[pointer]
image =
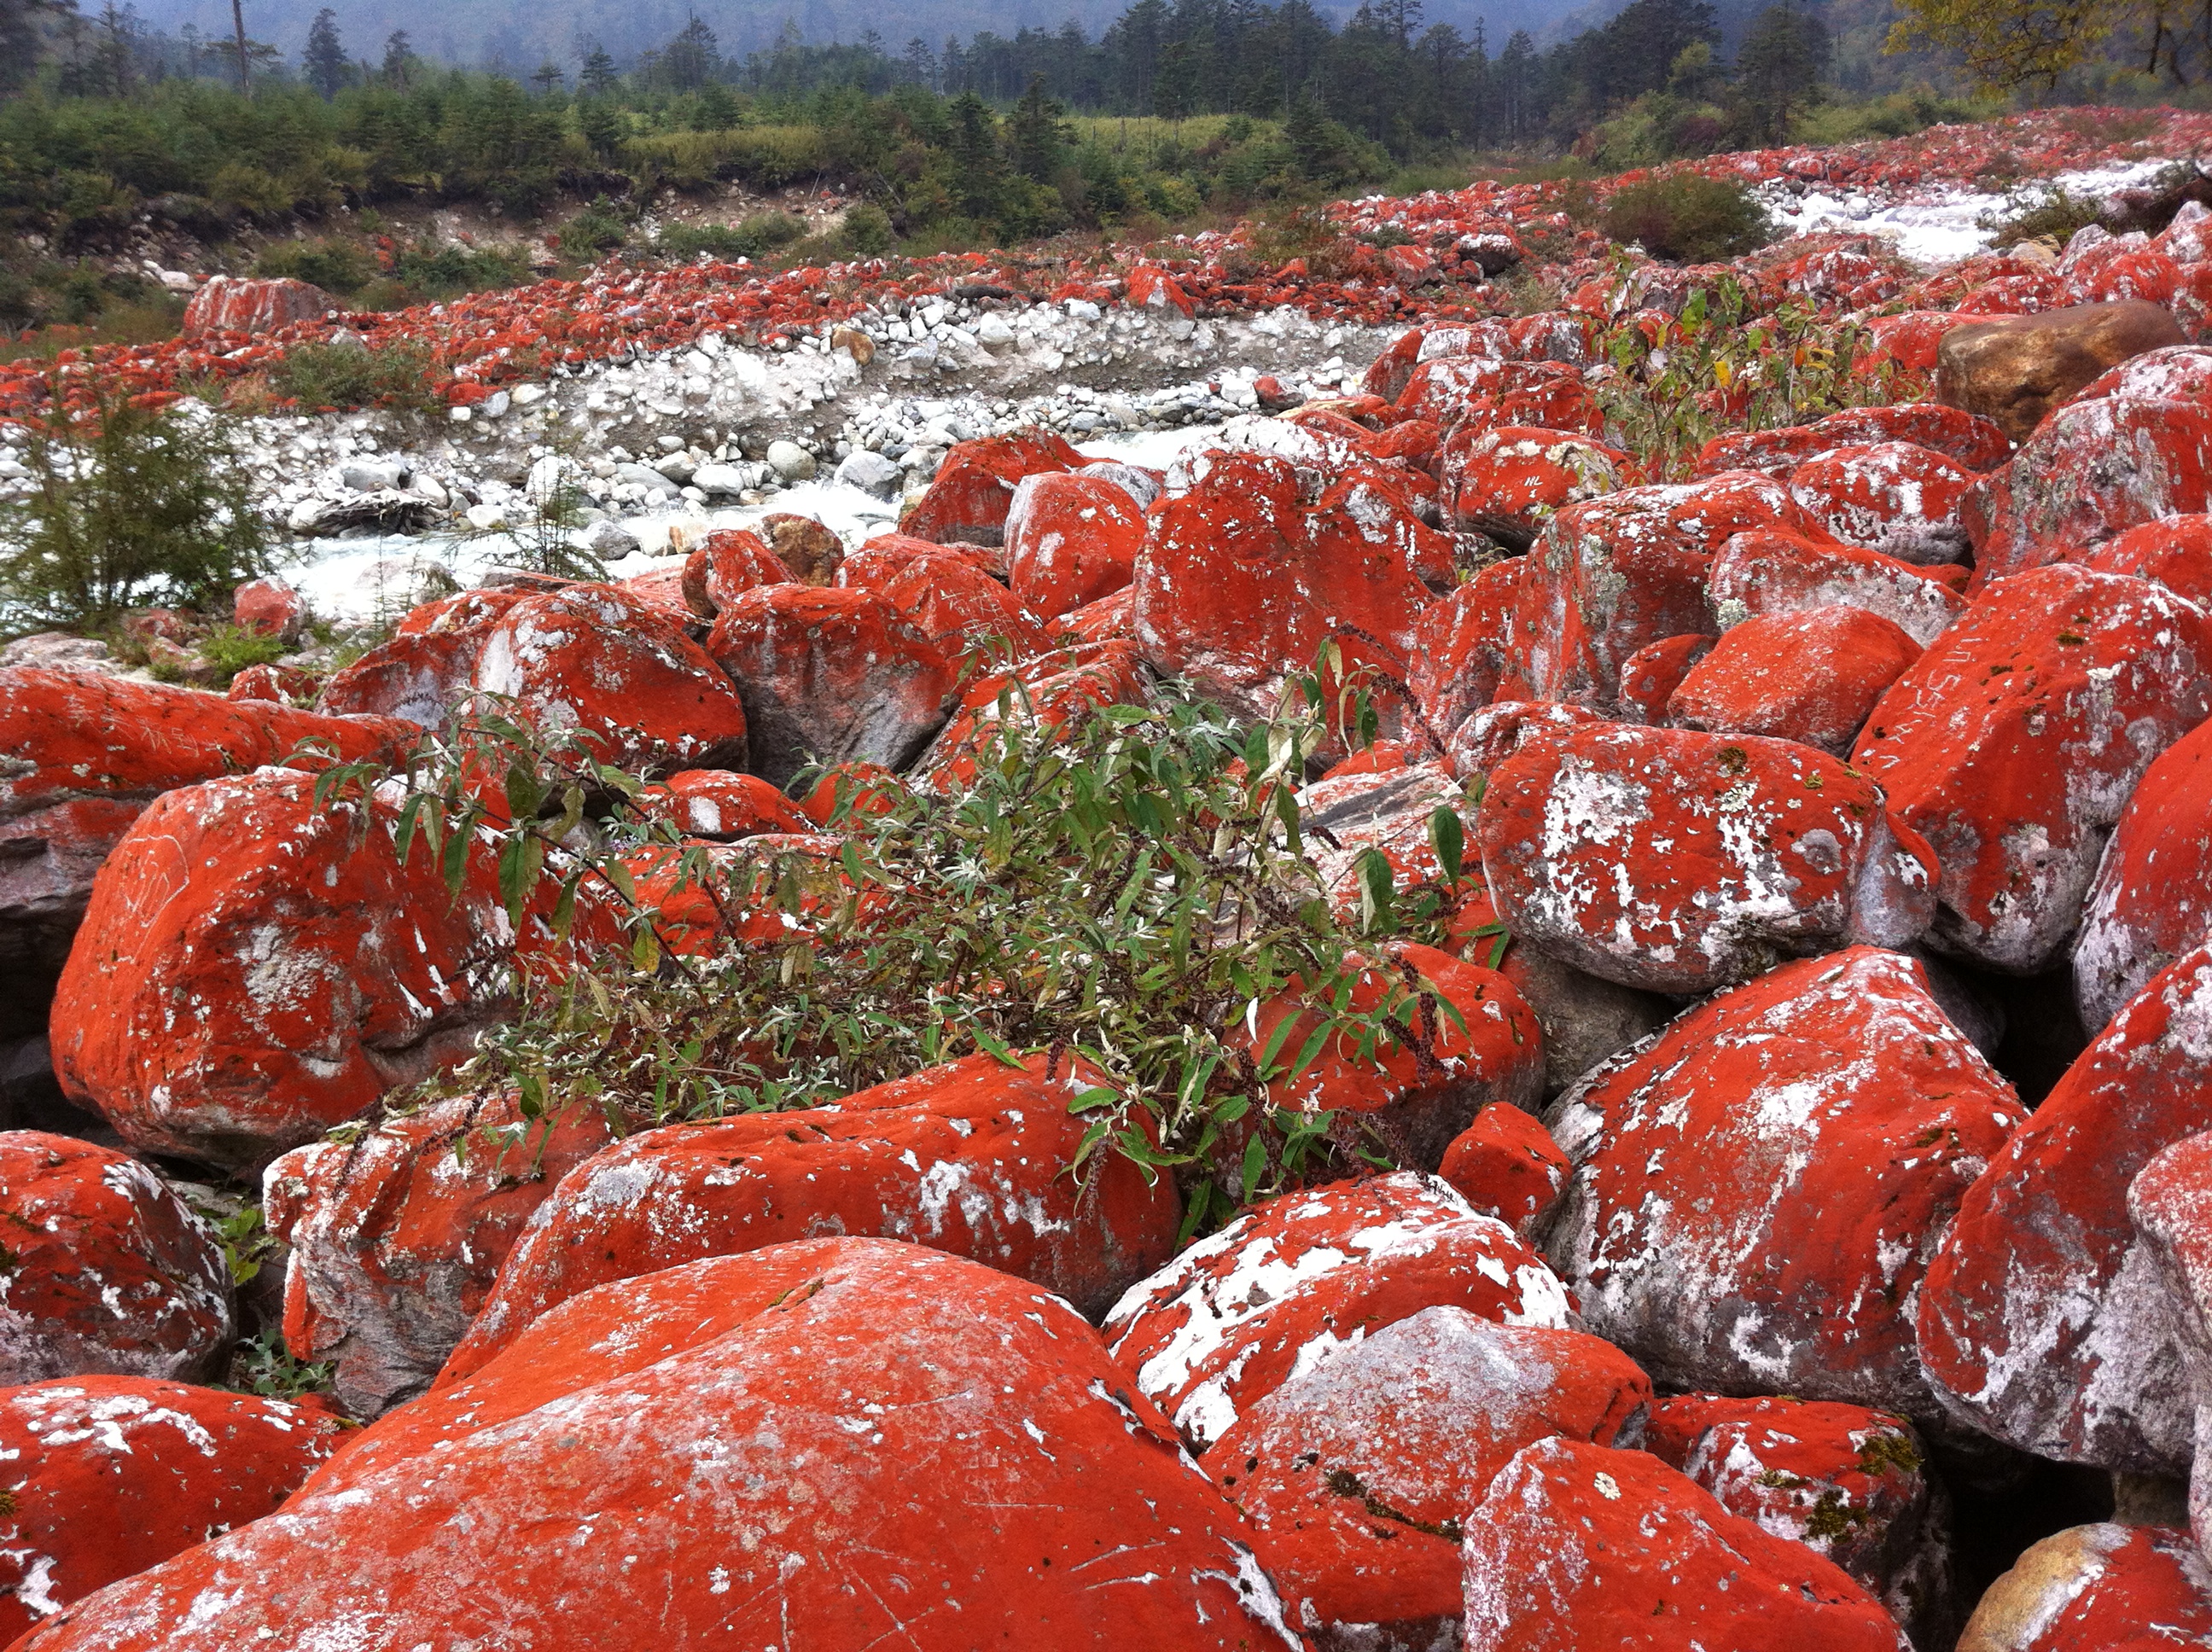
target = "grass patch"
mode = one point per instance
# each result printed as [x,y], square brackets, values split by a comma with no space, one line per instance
[1688,219]
[328,377]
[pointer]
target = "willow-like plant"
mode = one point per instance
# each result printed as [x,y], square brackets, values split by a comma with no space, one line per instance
[1122,893]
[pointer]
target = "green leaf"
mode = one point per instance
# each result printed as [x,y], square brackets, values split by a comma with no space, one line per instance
[1006,1056]
[645,950]
[1256,1165]
[1448,836]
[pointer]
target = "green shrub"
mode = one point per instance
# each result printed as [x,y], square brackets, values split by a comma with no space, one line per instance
[334,266]
[755,237]
[1687,218]
[250,190]
[1127,889]
[353,375]
[126,505]
[595,230]
[231,648]
[449,270]
[867,232]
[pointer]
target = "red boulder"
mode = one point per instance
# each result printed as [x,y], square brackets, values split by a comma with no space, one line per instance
[1852,1484]
[106,1270]
[1891,497]
[106,1476]
[1677,861]
[1360,1474]
[1071,540]
[968,499]
[2040,1321]
[1235,1316]
[2014,742]
[594,659]
[2152,899]
[2174,551]
[90,751]
[234,304]
[1757,1190]
[1775,573]
[825,1445]
[1578,1548]
[2098,1589]
[396,1236]
[831,676]
[966,1159]
[1809,676]
[1239,584]
[254,970]
[1506,1163]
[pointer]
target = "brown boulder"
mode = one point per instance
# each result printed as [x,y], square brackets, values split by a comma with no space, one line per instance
[2015,370]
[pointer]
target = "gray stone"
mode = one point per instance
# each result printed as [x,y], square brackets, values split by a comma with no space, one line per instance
[719,479]
[790,461]
[871,473]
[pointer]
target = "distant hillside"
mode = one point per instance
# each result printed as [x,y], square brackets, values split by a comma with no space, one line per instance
[521,36]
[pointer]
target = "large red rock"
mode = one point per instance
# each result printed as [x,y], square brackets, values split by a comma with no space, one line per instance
[2151,899]
[1463,648]
[1360,1475]
[717,803]
[427,665]
[2041,1320]
[1757,1190]
[827,1445]
[1776,572]
[831,676]
[1506,1164]
[395,1237]
[2098,1589]
[948,599]
[1071,539]
[237,304]
[1510,479]
[726,563]
[2170,1206]
[2093,470]
[1891,497]
[1240,584]
[1235,1316]
[104,1270]
[967,1157]
[968,499]
[1617,572]
[1810,677]
[2174,551]
[253,970]
[1041,700]
[87,753]
[592,660]
[1966,439]
[1578,1548]
[1854,1485]
[106,1476]
[1677,861]
[2013,744]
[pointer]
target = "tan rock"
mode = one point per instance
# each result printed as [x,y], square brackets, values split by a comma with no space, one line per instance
[812,552]
[2015,370]
[854,343]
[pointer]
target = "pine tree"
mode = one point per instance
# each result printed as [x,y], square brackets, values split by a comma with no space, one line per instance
[399,53]
[597,76]
[692,58]
[1778,70]
[324,61]
[919,63]
[1036,135]
[975,153]
[548,78]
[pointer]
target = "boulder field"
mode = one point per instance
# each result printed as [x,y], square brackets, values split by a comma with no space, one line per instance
[1793,1229]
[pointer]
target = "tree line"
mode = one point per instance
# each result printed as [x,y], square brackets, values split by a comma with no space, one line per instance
[1385,73]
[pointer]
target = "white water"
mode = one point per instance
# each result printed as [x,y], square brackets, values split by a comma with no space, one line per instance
[372,581]
[1934,226]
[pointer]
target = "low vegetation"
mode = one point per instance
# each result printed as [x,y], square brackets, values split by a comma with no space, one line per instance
[1121,891]
[125,505]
